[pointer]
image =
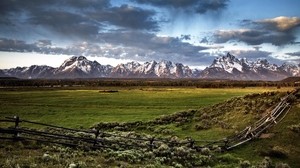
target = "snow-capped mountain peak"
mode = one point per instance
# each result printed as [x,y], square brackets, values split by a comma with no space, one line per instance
[228,63]
[78,63]
[224,67]
[80,66]
[153,69]
[230,67]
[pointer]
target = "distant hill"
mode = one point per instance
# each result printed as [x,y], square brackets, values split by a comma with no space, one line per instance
[292,79]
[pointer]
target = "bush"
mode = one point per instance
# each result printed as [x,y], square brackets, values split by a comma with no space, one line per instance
[205,151]
[295,128]
[282,165]
[266,163]
[245,164]
[228,158]
[276,151]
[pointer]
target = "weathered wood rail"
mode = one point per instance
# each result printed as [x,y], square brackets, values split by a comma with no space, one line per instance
[254,131]
[96,139]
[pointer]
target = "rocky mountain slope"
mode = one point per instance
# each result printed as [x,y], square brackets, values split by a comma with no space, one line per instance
[226,67]
[230,67]
[153,69]
[80,67]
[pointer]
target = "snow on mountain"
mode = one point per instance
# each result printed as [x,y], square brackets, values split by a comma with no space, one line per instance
[230,67]
[228,63]
[263,64]
[80,67]
[33,71]
[153,69]
[225,67]
[293,70]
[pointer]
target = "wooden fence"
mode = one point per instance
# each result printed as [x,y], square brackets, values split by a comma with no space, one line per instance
[96,139]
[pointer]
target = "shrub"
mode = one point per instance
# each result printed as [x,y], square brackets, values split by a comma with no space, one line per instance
[282,165]
[46,157]
[276,151]
[228,158]
[245,164]
[266,163]
[295,128]
[205,151]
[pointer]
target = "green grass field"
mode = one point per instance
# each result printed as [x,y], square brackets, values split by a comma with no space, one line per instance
[83,108]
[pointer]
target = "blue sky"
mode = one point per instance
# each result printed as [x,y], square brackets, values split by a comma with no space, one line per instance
[192,32]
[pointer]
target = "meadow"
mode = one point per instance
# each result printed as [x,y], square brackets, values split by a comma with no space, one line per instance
[79,108]
[165,112]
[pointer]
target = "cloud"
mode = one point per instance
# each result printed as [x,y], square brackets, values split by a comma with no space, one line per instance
[253,55]
[204,40]
[253,37]
[257,48]
[72,18]
[297,54]
[128,44]
[278,31]
[212,5]
[40,46]
[280,23]
[198,6]
[66,23]
[185,37]
[14,45]
[128,17]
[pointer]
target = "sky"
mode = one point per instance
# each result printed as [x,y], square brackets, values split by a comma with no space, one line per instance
[192,32]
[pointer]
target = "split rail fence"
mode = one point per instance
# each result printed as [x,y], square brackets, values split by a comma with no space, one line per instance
[96,139]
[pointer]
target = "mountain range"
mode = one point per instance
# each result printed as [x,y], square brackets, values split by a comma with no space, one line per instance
[225,67]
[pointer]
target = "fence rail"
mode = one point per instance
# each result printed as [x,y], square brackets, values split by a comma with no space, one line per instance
[96,139]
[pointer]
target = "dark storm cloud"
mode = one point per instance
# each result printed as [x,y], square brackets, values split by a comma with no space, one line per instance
[9,6]
[148,41]
[40,46]
[204,40]
[128,17]
[66,23]
[93,28]
[297,54]
[213,5]
[96,4]
[198,6]
[143,46]
[14,45]
[253,37]
[277,31]
[76,18]
[185,37]
[257,48]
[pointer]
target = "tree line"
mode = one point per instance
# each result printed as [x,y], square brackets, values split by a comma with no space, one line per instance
[111,82]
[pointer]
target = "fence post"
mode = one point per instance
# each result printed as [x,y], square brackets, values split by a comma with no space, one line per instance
[151,143]
[17,121]
[226,143]
[97,132]
[192,143]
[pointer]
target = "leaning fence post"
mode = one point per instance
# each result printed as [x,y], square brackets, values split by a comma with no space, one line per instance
[17,121]
[151,145]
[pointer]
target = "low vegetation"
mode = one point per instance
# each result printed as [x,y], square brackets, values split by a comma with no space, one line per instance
[214,114]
